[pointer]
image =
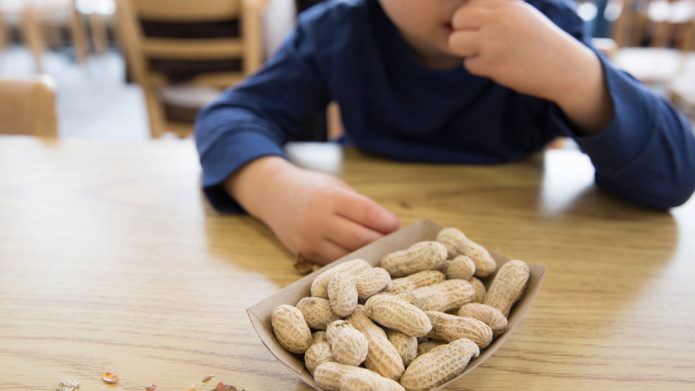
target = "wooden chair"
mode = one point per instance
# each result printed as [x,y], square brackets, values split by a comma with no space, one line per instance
[28,106]
[40,20]
[100,15]
[655,39]
[4,32]
[143,52]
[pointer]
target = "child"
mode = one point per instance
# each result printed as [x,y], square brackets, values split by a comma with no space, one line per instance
[395,69]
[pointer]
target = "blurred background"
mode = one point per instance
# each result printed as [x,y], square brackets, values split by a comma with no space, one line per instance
[140,69]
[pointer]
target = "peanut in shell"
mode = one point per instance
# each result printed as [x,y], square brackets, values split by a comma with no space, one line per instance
[457,243]
[507,286]
[435,368]
[290,328]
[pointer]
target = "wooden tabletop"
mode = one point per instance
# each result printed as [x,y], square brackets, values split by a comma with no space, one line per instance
[112,260]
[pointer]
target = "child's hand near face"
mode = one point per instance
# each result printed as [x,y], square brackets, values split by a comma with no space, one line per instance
[514,44]
[313,214]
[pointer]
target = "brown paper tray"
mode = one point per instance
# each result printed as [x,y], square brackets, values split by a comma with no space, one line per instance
[426,229]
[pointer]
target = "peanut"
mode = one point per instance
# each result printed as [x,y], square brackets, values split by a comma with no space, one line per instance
[507,286]
[461,267]
[418,301]
[382,356]
[435,368]
[418,257]
[431,345]
[395,313]
[317,312]
[451,327]
[405,345]
[479,288]
[447,295]
[457,243]
[320,284]
[416,280]
[333,376]
[349,346]
[491,316]
[290,328]
[319,352]
[372,281]
[342,294]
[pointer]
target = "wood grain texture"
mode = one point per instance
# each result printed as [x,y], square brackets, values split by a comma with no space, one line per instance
[112,260]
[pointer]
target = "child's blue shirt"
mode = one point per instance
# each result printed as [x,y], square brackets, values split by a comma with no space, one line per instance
[350,52]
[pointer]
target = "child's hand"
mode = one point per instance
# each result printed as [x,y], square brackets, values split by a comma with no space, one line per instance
[315,214]
[514,44]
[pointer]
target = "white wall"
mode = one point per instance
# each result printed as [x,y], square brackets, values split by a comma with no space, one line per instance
[278,19]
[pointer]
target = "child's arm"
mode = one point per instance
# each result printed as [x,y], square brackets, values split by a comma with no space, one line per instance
[313,214]
[240,140]
[643,149]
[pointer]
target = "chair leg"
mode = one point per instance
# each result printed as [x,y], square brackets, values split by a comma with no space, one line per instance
[155,113]
[31,31]
[99,33]
[52,35]
[4,34]
[79,36]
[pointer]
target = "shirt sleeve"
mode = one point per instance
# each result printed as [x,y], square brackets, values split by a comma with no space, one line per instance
[259,116]
[646,155]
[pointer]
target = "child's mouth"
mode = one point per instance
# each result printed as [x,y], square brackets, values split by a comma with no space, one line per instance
[448,28]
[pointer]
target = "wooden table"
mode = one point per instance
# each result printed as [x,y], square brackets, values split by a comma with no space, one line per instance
[112,260]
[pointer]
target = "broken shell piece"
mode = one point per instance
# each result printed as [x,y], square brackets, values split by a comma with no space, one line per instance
[109,377]
[69,384]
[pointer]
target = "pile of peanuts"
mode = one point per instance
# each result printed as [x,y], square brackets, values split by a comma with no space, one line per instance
[412,323]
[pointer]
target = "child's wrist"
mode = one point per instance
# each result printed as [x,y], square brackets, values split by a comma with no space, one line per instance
[582,94]
[252,183]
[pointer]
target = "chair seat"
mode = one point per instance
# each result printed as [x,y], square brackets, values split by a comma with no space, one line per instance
[28,106]
[188,96]
[183,103]
[654,65]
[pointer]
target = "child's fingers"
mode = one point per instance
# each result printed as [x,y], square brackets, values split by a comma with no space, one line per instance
[465,43]
[366,212]
[474,65]
[349,234]
[471,16]
[326,252]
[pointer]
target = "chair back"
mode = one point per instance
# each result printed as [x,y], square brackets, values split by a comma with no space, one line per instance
[656,23]
[187,54]
[27,106]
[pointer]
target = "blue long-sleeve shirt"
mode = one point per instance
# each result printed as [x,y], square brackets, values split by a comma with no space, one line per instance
[350,52]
